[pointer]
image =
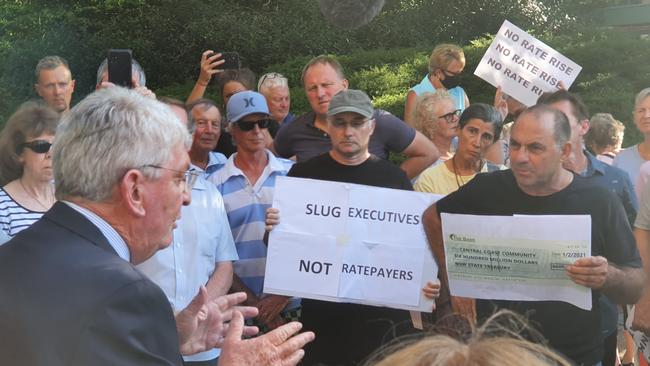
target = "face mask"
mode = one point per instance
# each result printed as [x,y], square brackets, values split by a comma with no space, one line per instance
[450,82]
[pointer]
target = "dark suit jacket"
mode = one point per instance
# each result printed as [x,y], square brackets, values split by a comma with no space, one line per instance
[66,298]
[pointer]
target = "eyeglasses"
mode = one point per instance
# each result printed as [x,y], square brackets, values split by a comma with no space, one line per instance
[270,76]
[189,176]
[451,116]
[37,146]
[249,125]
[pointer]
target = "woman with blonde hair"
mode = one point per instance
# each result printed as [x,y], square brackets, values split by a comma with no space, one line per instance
[436,117]
[446,63]
[493,344]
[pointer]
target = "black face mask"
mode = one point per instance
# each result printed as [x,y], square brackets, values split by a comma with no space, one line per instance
[451,82]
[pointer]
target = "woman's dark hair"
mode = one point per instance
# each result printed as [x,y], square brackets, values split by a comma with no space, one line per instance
[244,76]
[32,119]
[485,113]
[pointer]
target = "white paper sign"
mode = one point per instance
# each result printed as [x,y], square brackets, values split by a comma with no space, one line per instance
[346,242]
[524,66]
[516,257]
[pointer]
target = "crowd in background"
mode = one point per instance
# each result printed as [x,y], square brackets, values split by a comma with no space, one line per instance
[237,149]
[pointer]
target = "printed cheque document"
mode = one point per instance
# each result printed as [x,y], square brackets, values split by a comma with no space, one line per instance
[516,257]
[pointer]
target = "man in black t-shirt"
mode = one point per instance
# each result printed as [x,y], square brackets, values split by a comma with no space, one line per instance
[347,333]
[307,136]
[539,185]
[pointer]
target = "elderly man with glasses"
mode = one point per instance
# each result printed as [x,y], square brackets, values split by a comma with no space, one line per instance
[69,292]
[202,250]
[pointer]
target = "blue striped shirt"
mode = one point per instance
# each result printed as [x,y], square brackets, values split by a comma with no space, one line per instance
[246,206]
[216,161]
[14,218]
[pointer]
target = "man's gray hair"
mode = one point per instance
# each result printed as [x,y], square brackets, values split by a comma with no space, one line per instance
[50,63]
[203,104]
[135,68]
[272,80]
[109,132]
[641,97]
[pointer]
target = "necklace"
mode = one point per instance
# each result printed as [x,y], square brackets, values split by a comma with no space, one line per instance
[31,195]
[459,178]
[456,176]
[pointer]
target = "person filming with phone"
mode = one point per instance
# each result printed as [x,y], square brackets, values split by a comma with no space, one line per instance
[114,70]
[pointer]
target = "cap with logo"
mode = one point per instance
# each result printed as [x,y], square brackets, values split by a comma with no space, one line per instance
[245,103]
[351,101]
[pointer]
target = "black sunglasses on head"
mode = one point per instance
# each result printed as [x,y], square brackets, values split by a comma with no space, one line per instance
[249,125]
[37,146]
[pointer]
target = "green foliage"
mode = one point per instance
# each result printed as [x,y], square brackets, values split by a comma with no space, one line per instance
[167,37]
[614,70]
[384,58]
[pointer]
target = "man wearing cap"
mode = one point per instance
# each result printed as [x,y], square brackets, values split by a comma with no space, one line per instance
[246,183]
[307,135]
[347,333]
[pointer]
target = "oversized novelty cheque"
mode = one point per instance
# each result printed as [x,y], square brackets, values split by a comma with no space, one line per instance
[519,257]
[524,66]
[345,242]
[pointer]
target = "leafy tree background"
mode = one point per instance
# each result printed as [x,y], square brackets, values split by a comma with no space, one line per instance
[384,58]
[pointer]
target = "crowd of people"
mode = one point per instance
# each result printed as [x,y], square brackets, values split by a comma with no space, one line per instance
[134,227]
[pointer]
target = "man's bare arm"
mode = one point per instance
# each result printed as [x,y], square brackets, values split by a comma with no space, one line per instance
[421,153]
[623,285]
[221,279]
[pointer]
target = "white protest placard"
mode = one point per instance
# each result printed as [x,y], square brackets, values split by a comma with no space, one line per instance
[519,258]
[524,66]
[345,242]
[641,340]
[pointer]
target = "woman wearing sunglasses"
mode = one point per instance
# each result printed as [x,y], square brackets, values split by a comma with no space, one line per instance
[26,168]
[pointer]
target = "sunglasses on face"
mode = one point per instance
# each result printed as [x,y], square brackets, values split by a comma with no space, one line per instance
[249,125]
[37,146]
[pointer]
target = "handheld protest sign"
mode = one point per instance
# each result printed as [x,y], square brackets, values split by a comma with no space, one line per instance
[345,242]
[523,66]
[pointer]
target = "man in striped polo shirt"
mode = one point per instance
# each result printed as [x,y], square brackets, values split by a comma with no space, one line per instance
[246,183]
